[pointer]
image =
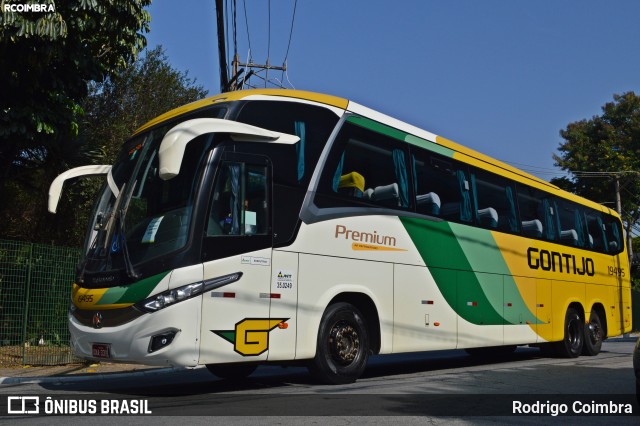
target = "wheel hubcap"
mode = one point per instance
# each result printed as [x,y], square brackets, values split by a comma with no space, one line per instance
[344,343]
[595,334]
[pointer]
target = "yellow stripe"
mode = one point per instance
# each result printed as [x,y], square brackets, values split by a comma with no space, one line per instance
[241,94]
[88,298]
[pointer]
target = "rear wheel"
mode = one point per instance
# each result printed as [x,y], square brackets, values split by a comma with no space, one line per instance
[343,345]
[232,371]
[571,345]
[593,335]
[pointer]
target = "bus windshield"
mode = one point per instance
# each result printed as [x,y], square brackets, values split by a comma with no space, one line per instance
[145,217]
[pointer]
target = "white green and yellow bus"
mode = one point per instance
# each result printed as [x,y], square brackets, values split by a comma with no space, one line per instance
[282,226]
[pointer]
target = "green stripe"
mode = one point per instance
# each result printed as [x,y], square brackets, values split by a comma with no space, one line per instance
[132,293]
[469,269]
[400,135]
[431,146]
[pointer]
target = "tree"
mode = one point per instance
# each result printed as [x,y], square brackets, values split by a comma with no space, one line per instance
[49,56]
[602,149]
[114,109]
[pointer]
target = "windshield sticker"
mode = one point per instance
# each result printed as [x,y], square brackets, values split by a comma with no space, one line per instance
[250,222]
[150,234]
[250,260]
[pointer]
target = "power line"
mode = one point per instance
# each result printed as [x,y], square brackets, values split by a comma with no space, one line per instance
[293,19]
[246,23]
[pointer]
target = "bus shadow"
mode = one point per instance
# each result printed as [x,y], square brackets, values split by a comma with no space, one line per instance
[294,379]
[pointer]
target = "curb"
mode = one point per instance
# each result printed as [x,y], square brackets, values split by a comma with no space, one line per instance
[86,377]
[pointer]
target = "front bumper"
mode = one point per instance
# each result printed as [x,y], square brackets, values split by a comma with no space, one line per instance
[130,342]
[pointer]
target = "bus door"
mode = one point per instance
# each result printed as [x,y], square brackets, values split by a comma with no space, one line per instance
[237,257]
[284,305]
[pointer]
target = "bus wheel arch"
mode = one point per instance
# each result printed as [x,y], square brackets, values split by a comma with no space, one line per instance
[367,307]
[573,340]
[595,330]
[342,344]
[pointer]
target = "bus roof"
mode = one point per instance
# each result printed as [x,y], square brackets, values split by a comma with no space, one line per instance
[463,153]
[241,94]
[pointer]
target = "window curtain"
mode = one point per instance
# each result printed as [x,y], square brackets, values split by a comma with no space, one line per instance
[234,201]
[603,234]
[401,175]
[475,198]
[338,174]
[300,131]
[579,228]
[465,203]
[549,225]
[513,217]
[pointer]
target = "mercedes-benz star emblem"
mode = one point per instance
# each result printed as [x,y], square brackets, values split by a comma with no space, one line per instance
[97,320]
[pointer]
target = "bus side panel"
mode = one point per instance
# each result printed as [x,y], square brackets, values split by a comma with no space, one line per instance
[544,310]
[322,278]
[481,306]
[517,328]
[597,293]
[564,293]
[284,286]
[623,306]
[235,318]
[422,318]
[626,306]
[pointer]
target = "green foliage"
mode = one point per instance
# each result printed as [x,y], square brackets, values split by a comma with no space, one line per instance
[48,59]
[606,143]
[116,107]
[113,110]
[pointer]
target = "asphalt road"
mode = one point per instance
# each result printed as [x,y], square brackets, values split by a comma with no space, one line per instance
[437,387]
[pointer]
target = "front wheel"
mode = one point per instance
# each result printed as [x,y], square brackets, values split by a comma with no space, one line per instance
[593,335]
[571,345]
[343,345]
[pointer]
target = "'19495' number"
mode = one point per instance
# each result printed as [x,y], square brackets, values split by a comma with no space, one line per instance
[616,271]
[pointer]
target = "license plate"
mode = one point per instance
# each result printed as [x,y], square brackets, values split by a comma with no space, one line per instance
[101,350]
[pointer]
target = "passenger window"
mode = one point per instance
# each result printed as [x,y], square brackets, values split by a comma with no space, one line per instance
[571,224]
[312,124]
[239,205]
[494,202]
[613,235]
[367,167]
[537,213]
[595,231]
[442,187]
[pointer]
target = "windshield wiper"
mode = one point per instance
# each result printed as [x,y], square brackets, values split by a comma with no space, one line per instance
[120,233]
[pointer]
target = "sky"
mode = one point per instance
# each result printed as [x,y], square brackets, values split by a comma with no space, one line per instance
[500,76]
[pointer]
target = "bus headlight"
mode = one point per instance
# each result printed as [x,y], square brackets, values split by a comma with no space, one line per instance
[173,296]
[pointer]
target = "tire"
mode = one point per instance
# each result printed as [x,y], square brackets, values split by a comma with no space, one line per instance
[593,335]
[237,371]
[571,345]
[343,345]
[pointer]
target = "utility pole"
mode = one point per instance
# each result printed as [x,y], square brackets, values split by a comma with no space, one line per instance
[237,68]
[222,50]
[619,208]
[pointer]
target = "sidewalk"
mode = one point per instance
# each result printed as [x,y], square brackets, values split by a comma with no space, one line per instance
[71,370]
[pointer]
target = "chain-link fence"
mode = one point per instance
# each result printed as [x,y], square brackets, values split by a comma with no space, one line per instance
[35,289]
